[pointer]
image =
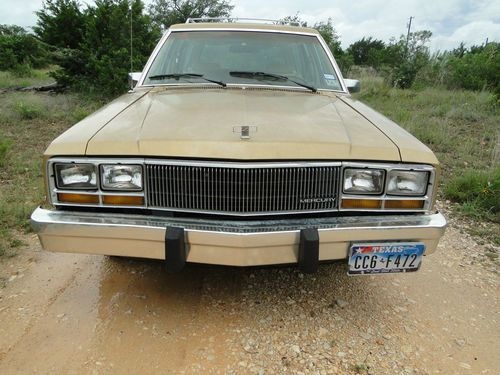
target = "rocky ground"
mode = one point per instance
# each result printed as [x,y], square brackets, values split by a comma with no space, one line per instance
[80,314]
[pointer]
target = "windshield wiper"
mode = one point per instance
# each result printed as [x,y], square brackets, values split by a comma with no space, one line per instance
[177,76]
[270,76]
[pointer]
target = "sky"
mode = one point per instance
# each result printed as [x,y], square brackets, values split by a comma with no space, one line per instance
[451,21]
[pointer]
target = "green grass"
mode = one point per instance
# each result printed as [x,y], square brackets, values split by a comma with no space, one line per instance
[462,128]
[28,123]
[10,80]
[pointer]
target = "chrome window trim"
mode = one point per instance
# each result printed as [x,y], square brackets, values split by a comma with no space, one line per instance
[329,53]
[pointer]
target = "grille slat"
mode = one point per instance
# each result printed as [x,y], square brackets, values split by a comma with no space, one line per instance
[242,190]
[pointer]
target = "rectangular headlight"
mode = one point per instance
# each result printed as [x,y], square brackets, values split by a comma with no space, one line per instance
[407,182]
[78,176]
[363,181]
[121,177]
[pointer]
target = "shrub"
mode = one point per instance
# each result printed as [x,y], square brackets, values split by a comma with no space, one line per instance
[477,69]
[28,111]
[478,192]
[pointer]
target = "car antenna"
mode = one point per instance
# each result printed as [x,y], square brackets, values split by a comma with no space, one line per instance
[131,40]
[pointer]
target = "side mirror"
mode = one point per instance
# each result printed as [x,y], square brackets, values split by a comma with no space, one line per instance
[133,78]
[353,85]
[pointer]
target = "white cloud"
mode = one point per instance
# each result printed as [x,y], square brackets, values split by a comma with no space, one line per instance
[451,21]
[473,33]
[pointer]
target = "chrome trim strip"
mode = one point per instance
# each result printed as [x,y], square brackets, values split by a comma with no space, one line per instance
[240,164]
[42,220]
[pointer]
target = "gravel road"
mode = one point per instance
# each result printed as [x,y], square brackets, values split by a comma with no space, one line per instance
[80,314]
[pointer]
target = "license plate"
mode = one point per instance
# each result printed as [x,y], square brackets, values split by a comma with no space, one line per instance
[378,258]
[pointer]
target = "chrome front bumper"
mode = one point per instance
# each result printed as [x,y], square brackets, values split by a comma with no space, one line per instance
[235,243]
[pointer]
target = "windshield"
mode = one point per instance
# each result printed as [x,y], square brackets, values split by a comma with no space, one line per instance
[217,55]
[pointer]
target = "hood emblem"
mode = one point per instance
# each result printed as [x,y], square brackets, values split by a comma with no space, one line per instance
[244,131]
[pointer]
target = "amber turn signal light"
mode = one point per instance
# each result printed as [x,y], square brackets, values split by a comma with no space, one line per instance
[77,198]
[126,200]
[361,203]
[404,204]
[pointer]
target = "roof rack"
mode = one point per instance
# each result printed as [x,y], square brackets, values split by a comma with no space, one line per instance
[237,19]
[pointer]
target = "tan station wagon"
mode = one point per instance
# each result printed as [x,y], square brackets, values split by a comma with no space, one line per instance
[241,145]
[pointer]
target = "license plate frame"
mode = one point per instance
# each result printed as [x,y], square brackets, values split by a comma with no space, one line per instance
[370,258]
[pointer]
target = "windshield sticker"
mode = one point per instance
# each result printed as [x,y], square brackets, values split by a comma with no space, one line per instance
[330,79]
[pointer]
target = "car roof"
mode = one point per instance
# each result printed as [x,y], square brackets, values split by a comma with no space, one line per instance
[243,26]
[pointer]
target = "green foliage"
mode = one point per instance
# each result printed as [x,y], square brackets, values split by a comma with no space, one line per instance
[408,57]
[61,23]
[368,51]
[476,70]
[20,50]
[478,192]
[169,12]
[28,111]
[98,59]
[30,77]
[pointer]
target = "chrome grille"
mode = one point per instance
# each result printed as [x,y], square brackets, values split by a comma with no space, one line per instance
[243,188]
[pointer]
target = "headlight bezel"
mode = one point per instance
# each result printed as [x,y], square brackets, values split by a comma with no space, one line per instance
[54,190]
[62,186]
[427,197]
[102,174]
[401,193]
[381,189]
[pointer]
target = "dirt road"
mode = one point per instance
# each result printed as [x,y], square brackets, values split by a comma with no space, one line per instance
[79,314]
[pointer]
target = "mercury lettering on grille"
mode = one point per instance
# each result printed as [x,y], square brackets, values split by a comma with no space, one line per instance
[242,191]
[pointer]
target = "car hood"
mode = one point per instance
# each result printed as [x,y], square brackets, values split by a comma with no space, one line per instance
[206,123]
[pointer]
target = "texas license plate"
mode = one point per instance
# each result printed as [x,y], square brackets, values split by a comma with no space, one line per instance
[378,258]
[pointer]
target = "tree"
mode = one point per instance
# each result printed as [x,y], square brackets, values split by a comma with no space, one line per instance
[100,57]
[477,69]
[294,20]
[330,36]
[407,59]
[367,51]
[20,51]
[60,23]
[169,12]
[107,42]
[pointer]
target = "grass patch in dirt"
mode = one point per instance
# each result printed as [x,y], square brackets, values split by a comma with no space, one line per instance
[10,80]
[28,123]
[461,127]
